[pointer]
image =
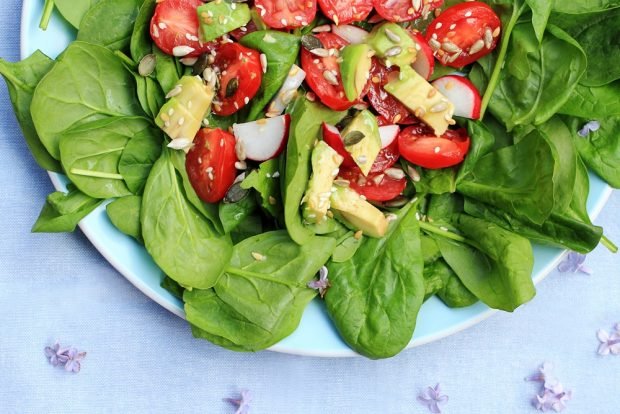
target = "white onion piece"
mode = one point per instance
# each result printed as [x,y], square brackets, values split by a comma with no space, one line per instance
[352,34]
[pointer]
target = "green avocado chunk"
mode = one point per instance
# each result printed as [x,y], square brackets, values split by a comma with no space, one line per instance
[393,44]
[358,212]
[355,69]
[362,140]
[325,162]
[220,17]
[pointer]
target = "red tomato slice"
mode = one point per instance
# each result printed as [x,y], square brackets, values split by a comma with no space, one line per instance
[331,95]
[419,145]
[210,164]
[346,11]
[281,14]
[376,186]
[404,10]
[384,103]
[239,65]
[464,33]
[175,28]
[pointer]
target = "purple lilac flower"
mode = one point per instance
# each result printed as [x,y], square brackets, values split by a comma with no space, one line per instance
[610,343]
[73,363]
[242,403]
[552,395]
[322,284]
[591,126]
[68,357]
[574,263]
[432,398]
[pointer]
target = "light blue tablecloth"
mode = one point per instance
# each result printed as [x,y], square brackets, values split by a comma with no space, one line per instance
[143,359]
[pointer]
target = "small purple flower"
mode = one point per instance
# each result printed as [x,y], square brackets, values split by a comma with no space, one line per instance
[550,400]
[544,376]
[574,263]
[610,343]
[55,354]
[74,358]
[591,126]
[242,403]
[431,398]
[322,284]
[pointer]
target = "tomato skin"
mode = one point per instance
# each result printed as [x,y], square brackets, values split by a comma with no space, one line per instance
[332,96]
[281,14]
[172,21]
[384,103]
[402,10]
[346,11]
[473,27]
[236,61]
[376,186]
[210,164]
[419,145]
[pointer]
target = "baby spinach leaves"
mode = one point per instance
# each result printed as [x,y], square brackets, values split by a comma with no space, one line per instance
[63,211]
[266,181]
[109,23]
[124,213]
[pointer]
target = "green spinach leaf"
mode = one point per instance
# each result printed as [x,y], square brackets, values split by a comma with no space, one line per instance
[584,6]
[141,43]
[109,23]
[124,213]
[452,292]
[232,214]
[74,10]
[166,70]
[138,157]
[63,211]
[266,181]
[593,102]
[600,150]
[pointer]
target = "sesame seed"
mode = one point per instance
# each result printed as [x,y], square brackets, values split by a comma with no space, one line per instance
[259,257]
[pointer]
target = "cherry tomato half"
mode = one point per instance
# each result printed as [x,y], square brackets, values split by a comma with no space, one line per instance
[464,33]
[378,186]
[384,103]
[346,11]
[331,93]
[404,10]
[419,145]
[241,74]
[280,14]
[210,164]
[174,28]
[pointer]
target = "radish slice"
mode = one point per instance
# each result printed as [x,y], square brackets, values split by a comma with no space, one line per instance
[388,134]
[425,62]
[352,34]
[288,91]
[462,93]
[263,139]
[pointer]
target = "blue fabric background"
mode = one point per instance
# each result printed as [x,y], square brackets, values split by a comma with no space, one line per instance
[143,359]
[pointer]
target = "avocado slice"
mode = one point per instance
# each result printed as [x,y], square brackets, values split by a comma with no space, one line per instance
[358,212]
[362,140]
[325,163]
[422,99]
[355,69]
[182,115]
[220,17]
[393,44]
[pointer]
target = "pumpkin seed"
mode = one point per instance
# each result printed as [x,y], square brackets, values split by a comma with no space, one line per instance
[310,42]
[232,87]
[147,65]
[353,137]
[200,65]
[235,194]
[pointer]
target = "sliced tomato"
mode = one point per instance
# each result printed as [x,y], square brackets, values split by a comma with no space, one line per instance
[385,159]
[384,103]
[464,33]
[281,14]
[239,33]
[331,95]
[241,74]
[404,10]
[346,11]
[377,186]
[419,145]
[210,164]
[175,28]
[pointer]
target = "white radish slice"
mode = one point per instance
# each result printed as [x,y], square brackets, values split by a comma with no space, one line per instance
[263,139]
[388,134]
[462,93]
[352,34]
[425,61]
[288,91]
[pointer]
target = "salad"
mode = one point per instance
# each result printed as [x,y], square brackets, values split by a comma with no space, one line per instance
[373,153]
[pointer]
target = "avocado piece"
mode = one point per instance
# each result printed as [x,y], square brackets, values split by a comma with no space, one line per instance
[362,140]
[355,69]
[393,44]
[422,99]
[220,17]
[189,102]
[358,212]
[325,164]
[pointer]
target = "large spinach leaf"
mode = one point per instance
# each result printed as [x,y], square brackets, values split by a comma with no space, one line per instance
[138,157]
[109,23]
[63,211]
[150,95]
[87,83]
[141,43]
[376,295]
[452,292]
[498,269]
[165,70]
[180,240]
[21,79]
[281,53]
[124,213]
[594,102]
[584,6]
[232,214]
[74,10]
[307,118]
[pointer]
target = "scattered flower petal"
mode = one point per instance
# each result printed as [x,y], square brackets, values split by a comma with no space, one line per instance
[610,343]
[69,357]
[574,263]
[322,284]
[432,398]
[591,126]
[242,403]
[552,395]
